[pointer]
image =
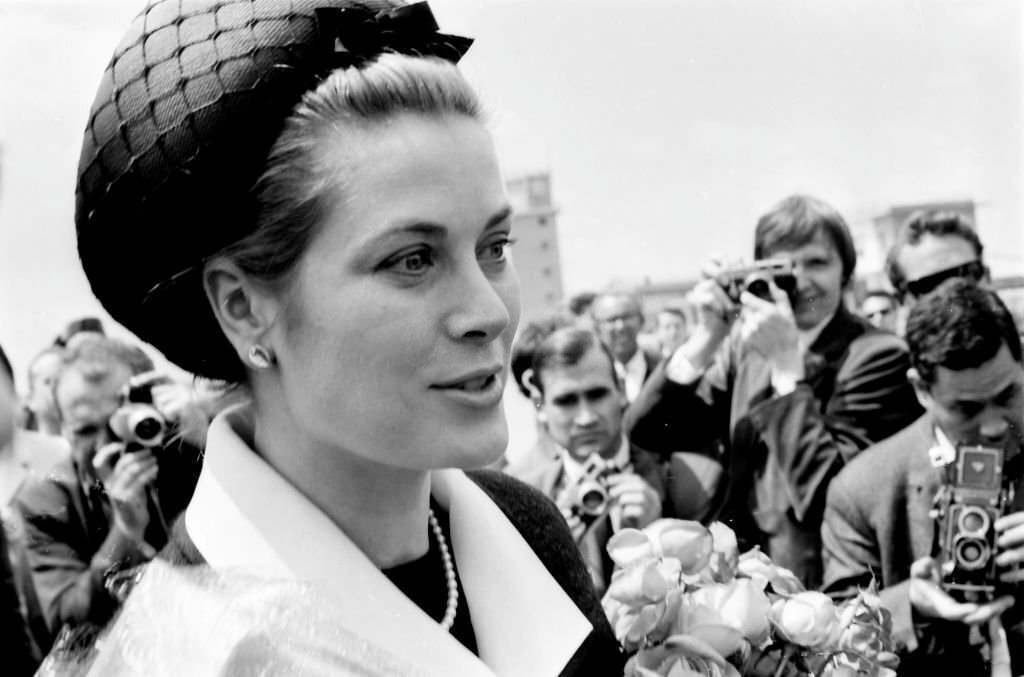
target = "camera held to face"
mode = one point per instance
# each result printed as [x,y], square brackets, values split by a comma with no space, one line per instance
[137,422]
[755,277]
[974,495]
[589,496]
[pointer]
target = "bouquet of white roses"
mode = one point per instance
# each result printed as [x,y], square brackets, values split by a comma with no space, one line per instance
[685,603]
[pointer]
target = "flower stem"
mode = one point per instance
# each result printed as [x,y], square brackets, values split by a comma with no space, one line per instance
[787,653]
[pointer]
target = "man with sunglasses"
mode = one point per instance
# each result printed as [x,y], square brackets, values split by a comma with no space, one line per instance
[930,248]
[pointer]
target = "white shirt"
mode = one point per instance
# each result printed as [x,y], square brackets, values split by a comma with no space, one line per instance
[633,373]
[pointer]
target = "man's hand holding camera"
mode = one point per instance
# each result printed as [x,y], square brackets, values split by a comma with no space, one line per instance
[768,328]
[634,502]
[716,313]
[625,497]
[930,601]
[127,478]
[767,325]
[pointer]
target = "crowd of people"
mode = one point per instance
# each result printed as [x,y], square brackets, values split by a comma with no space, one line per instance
[337,231]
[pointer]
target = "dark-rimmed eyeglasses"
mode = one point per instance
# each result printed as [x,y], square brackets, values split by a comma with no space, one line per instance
[973,270]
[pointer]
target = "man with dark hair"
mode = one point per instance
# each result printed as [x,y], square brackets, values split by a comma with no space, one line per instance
[930,247]
[108,506]
[670,329]
[880,308]
[580,403]
[618,319]
[783,397]
[879,521]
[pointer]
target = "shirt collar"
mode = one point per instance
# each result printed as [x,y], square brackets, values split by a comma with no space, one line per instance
[523,621]
[807,337]
[574,469]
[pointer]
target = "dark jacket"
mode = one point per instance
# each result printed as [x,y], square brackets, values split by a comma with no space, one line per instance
[877,523]
[67,519]
[779,453]
[544,470]
[18,653]
[542,526]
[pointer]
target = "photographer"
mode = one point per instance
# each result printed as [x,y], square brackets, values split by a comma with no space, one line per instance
[107,507]
[580,402]
[781,391]
[879,520]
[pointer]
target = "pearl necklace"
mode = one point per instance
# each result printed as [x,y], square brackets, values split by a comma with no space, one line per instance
[449,574]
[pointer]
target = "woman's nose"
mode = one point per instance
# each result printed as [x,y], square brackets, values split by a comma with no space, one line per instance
[482,312]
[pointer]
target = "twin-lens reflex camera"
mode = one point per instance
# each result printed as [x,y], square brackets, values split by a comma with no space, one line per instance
[974,494]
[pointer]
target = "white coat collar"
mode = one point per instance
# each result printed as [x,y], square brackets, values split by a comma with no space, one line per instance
[244,515]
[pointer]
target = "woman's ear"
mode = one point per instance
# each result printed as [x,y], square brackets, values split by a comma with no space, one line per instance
[245,310]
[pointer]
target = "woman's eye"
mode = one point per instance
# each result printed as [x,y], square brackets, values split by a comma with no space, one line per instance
[411,263]
[497,250]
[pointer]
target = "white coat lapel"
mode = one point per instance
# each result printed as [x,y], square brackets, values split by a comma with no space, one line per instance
[524,622]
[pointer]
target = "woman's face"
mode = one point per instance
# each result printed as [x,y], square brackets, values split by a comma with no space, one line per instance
[398,323]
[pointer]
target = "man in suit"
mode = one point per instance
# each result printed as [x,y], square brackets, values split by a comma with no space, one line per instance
[580,402]
[618,320]
[879,524]
[931,247]
[780,392]
[101,510]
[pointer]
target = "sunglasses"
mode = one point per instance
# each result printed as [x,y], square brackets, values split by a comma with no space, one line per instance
[973,270]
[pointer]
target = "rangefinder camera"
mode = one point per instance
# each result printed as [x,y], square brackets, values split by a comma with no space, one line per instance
[137,422]
[589,496]
[755,277]
[974,495]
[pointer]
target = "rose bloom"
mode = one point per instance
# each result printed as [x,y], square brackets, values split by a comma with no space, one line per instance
[689,542]
[758,566]
[740,604]
[806,618]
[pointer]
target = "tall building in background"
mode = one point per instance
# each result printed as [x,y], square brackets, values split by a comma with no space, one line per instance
[536,252]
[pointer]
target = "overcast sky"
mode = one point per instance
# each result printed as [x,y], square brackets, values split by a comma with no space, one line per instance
[668,125]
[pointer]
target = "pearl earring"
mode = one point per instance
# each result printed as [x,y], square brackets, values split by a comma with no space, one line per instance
[260,357]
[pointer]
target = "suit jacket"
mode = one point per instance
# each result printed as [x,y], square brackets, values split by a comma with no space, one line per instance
[876,524]
[67,516]
[780,452]
[543,469]
[19,655]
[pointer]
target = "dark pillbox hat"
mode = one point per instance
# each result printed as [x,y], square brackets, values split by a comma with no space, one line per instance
[185,116]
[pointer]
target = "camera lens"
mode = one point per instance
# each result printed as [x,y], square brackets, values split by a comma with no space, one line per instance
[974,520]
[148,428]
[971,553]
[759,287]
[592,499]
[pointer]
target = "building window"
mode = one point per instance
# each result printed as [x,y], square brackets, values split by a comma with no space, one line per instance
[542,221]
[544,244]
[546,271]
[539,190]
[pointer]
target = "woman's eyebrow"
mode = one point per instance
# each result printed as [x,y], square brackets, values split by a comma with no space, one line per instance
[499,217]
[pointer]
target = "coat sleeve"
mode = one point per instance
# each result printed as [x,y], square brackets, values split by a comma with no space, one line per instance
[852,559]
[811,440]
[68,576]
[667,416]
